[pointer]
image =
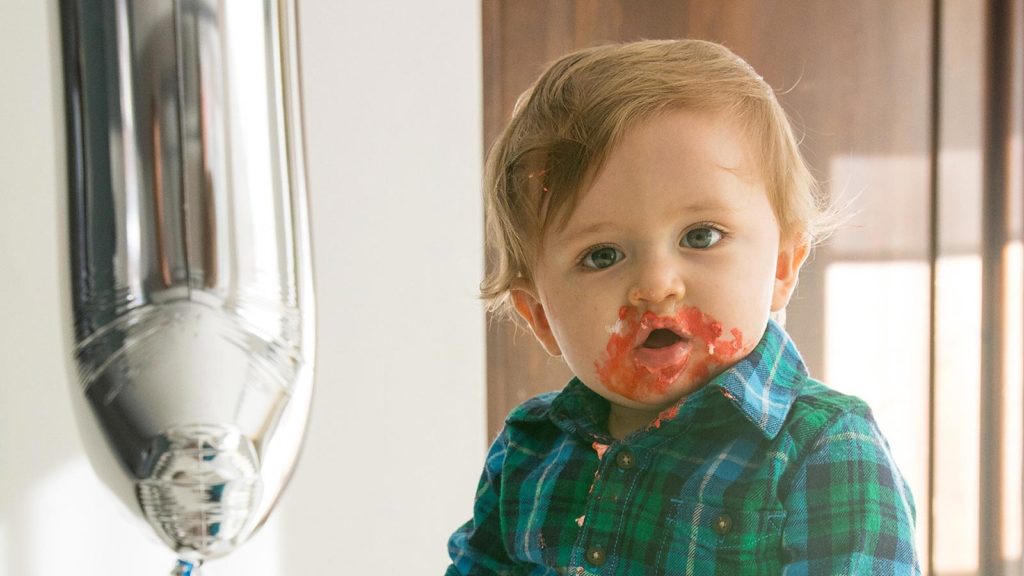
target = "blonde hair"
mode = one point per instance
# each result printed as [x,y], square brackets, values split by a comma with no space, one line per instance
[567,123]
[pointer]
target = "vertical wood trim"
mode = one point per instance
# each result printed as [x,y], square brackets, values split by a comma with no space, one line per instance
[496,385]
[995,159]
[935,143]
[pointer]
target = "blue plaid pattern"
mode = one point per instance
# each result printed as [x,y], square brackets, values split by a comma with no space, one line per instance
[762,471]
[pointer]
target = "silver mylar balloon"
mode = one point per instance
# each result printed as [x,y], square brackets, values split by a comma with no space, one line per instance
[191,286]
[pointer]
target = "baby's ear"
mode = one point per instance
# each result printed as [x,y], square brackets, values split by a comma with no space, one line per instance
[529,307]
[792,254]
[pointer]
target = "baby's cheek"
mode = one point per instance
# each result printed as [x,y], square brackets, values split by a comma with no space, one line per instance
[721,354]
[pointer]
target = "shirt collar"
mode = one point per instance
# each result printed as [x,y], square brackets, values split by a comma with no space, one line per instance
[765,383]
[762,387]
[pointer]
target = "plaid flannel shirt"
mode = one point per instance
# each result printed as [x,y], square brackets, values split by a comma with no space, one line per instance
[762,471]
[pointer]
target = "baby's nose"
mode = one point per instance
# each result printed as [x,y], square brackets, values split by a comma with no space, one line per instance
[657,284]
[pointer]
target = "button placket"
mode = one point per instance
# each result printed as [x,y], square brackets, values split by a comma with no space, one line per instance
[605,497]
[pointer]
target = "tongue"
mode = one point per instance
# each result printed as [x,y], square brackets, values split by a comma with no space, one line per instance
[661,338]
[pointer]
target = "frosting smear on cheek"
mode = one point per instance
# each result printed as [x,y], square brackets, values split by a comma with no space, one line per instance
[639,372]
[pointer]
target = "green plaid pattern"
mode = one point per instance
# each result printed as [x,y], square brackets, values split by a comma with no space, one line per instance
[763,471]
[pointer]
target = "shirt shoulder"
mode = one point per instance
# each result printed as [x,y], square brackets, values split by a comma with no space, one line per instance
[574,410]
[548,422]
[819,413]
[536,409]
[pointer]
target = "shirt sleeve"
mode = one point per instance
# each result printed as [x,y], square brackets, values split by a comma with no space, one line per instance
[477,547]
[849,511]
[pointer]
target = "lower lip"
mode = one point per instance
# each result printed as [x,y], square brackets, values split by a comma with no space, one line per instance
[674,356]
[643,373]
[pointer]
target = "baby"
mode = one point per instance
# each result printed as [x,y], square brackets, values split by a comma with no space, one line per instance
[649,212]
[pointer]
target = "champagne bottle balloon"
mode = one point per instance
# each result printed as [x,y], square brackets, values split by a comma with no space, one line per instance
[191,325]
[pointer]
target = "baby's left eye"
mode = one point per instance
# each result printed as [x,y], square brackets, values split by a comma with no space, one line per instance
[701,238]
[602,257]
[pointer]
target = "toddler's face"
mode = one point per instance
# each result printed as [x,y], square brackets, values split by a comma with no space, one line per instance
[666,272]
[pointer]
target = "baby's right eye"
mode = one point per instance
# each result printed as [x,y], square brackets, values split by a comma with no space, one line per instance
[603,257]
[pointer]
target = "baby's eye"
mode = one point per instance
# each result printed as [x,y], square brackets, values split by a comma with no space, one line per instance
[602,257]
[701,238]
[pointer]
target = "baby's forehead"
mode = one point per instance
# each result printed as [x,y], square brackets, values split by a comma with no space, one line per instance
[694,138]
[682,145]
[687,144]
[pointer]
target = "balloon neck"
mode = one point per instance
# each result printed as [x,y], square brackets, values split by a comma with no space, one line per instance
[186,568]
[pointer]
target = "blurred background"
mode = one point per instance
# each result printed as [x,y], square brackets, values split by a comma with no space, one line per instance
[908,110]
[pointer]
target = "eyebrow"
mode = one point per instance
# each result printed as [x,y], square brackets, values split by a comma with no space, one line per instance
[603,225]
[592,229]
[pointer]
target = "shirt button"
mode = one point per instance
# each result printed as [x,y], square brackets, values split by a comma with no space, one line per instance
[596,555]
[723,524]
[625,460]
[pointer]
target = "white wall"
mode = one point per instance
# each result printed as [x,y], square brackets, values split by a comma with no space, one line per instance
[393,112]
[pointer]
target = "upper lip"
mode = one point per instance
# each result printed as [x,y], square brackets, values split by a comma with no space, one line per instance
[650,322]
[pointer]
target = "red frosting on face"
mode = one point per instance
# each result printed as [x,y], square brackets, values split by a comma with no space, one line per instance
[707,350]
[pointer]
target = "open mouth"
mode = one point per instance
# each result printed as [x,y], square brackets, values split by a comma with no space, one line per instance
[661,338]
[663,351]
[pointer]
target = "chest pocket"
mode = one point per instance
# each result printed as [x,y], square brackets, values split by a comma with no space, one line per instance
[714,538]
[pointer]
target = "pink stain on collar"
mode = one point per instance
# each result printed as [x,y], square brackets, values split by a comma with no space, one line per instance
[664,415]
[620,372]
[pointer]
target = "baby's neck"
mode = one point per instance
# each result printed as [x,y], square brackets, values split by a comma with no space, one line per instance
[623,421]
